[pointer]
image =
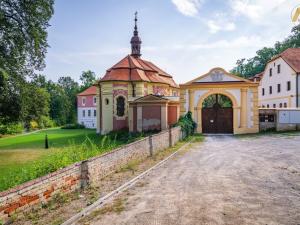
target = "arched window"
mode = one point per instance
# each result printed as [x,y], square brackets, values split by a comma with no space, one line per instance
[120,106]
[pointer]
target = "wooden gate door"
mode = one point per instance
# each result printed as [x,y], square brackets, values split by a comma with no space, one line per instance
[217,120]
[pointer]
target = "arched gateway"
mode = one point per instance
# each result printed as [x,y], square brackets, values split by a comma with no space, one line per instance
[217,114]
[221,103]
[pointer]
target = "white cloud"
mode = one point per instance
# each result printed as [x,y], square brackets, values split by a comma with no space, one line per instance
[216,26]
[257,10]
[188,7]
[241,42]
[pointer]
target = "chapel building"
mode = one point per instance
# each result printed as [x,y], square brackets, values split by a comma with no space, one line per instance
[137,95]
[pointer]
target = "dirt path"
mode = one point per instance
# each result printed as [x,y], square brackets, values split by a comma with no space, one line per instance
[225,180]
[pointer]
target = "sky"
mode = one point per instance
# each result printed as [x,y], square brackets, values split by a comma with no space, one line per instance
[186,38]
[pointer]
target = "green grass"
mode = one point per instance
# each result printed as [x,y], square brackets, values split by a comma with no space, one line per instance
[57,138]
[23,158]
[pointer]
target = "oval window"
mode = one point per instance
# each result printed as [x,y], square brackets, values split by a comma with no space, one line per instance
[120,106]
[106,101]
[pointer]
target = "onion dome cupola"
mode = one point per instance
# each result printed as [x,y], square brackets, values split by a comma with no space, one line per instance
[136,41]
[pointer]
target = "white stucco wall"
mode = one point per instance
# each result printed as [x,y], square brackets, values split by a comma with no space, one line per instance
[286,74]
[87,121]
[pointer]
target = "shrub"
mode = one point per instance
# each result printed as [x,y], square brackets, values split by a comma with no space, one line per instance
[33,125]
[12,128]
[187,124]
[46,122]
[73,126]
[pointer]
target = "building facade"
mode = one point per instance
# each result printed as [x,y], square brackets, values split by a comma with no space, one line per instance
[135,94]
[221,103]
[87,107]
[279,85]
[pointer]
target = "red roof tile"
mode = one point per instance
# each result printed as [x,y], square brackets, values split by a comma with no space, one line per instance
[257,76]
[89,91]
[292,57]
[136,69]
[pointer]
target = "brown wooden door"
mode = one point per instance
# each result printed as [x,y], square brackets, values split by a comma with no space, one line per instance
[217,120]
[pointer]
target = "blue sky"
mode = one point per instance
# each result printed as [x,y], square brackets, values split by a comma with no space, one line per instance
[186,38]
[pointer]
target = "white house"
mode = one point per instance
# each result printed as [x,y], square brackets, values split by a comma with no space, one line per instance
[279,84]
[86,107]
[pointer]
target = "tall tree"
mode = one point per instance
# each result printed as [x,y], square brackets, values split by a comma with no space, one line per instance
[71,88]
[87,79]
[23,45]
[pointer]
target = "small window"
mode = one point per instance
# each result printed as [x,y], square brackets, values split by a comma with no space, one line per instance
[263,91]
[280,105]
[278,88]
[83,101]
[270,72]
[278,68]
[120,106]
[270,90]
[263,106]
[95,100]
[89,113]
[289,85]
[268,106]
[95,113]
[274,105]
[106,101]
[83,113]
[285,105]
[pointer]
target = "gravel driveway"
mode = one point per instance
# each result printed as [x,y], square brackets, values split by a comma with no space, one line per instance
[225,180]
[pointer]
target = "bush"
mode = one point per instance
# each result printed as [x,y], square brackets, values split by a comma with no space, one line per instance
[12,128]
[187,124]
[73,126]
[33,125]
[45,122]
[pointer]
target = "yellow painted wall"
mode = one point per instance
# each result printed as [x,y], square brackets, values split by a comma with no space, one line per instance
[107,89]
[107,110]
[241,108]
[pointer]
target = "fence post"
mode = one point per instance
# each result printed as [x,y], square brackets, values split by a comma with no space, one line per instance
[170,136]
[151,145]
[84,174]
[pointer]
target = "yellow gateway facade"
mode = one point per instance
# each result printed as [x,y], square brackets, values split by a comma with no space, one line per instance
[221,102]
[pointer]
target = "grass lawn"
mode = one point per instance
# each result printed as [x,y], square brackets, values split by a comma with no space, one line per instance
[57,138]
[23,158]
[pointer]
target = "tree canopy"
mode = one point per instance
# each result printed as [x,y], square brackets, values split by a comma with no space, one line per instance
[23,46]
[249,67]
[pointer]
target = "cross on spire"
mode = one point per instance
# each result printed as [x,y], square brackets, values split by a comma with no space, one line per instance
[135,40]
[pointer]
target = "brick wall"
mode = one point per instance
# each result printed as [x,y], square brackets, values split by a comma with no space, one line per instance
[82,173]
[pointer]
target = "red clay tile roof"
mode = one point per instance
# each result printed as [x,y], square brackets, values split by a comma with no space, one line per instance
[292,57]
[136,69]
[257,76]
[89,91]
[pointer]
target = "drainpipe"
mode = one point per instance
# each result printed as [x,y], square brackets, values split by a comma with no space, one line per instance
[297,90]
